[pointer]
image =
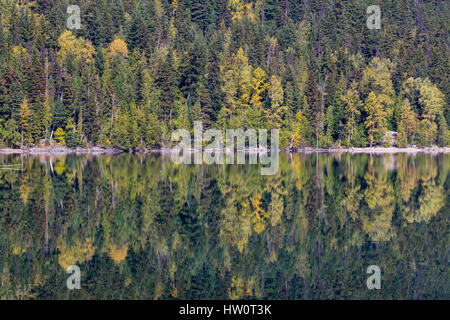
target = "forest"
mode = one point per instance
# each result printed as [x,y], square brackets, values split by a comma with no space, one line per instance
[137,70]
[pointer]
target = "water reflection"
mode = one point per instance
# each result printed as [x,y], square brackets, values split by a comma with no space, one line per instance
[141,227]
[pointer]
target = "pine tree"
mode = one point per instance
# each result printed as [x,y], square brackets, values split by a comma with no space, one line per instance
[71,136]
[25,121]
[259,86]
[407,125]
[212,79]
[60,135]
[274,114]
[313,111]
[352,111]
[165,82]
[301,131]
[376,117]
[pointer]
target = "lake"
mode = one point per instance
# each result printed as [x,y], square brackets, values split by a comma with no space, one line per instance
[142,227]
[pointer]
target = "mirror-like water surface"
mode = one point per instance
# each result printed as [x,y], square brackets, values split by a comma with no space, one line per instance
[141,227]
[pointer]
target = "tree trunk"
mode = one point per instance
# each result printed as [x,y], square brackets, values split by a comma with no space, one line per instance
[46,228]
[112,116]
[46,77]
[111,185]
[263,15]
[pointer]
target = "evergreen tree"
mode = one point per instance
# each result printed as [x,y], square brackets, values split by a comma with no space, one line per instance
[376,117]
[352,111]
[25,124]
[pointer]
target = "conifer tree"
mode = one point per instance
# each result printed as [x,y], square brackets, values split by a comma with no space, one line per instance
[25,122]
[376,117]
[352,111]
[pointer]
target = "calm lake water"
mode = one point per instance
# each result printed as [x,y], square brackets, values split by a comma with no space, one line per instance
[141,227]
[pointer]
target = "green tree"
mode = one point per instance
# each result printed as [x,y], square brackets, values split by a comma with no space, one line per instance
[60,135]
[70,136]
[408,124]
[25,122]
[352,111]
[376,117]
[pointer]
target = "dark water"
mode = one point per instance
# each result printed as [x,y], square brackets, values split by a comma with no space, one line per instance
[141,227]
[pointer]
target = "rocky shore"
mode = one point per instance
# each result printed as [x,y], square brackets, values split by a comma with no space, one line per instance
[60,150]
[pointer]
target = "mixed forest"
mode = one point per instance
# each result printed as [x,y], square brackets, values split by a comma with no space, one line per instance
[137,70]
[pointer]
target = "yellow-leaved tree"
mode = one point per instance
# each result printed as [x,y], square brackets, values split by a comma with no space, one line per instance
[408,124]
[78,48]
[117,47]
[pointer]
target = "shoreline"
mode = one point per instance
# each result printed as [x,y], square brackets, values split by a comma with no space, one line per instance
[377,150]
[112,151]
[60,151]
